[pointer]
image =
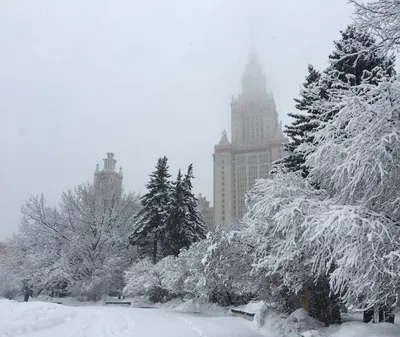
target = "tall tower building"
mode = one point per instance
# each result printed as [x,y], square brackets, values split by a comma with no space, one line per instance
[257,141]
[108,182]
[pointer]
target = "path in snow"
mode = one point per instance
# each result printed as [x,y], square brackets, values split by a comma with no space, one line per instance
[39,319]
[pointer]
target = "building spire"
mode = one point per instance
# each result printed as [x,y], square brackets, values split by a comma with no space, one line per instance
[253,79]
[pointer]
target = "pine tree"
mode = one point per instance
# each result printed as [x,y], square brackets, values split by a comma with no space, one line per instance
[353,61]
[304,121]
[176,221]
[152,221]
[194,228]
[186,224]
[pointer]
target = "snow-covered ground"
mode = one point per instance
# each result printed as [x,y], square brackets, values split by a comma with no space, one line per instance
[40,319]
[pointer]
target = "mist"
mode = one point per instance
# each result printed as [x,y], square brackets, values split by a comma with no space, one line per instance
[140,79]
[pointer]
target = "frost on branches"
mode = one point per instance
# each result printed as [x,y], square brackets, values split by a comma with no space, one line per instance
[78,249]
[182,276]
[356,155]
[382,17]
[347,229]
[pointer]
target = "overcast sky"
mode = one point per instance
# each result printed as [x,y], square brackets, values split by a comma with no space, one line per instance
[79,78]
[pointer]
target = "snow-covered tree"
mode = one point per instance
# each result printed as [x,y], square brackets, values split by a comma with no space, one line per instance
[181,276]
[353,60]
[176,221]
[150,229]
[169,219]
[356,59]
[80,248]
[193,228]
[98,252]
[382,18]
[38,246]
[340,238]
[303,122]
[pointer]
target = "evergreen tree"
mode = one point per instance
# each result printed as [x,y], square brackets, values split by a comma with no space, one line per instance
[186,224]
[303,122]
[353,61]
[152,221]
[194,228]
[177,217]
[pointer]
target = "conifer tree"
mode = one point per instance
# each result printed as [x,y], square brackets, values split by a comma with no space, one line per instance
[186,224]
[352,62]
[177,217]
[152,221]
[303,122]
[194,229]
[355,60]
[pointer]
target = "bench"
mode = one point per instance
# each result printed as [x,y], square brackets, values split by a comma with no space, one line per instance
[117,303]
[246,315]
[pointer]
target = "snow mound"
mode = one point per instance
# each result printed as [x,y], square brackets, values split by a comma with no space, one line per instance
[201,307]
[252,307]
[21,318]
[359,329]
[296,324]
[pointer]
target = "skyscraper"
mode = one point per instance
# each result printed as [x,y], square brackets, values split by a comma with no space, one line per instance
[257,141]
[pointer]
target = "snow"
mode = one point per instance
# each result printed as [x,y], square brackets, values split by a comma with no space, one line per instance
[300,324]
[40,319]
[173,319]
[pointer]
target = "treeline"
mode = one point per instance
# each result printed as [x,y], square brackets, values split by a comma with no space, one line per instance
[84,247]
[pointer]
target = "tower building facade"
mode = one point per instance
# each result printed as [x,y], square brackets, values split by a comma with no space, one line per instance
[257,141]
[108,182]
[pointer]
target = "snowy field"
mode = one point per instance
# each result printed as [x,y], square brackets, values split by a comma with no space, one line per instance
[41,319]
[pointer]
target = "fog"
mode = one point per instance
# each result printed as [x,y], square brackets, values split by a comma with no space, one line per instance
[141,79]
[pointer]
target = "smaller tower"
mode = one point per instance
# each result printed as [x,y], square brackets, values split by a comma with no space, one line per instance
[222,159]
[107,182]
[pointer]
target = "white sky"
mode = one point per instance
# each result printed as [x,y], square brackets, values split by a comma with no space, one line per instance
[143,79]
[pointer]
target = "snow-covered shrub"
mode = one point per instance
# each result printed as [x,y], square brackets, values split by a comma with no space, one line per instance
[140,278]
[182,276]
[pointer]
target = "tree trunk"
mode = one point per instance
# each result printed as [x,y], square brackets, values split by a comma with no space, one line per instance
[324,307]
[155,251]
[386,314]
[368,315]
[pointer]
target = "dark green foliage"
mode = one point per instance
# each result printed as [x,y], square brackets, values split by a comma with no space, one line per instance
[152,220]
[304,121]
[193,229]
[186,225]
[169,219]
[353,61]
